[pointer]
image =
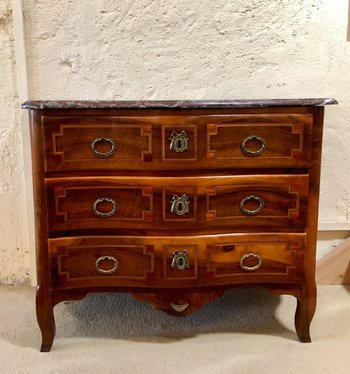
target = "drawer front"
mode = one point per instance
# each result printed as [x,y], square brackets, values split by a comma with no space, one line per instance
[178,142]
[192,203]
[93,143]
[264,140]
[181,261]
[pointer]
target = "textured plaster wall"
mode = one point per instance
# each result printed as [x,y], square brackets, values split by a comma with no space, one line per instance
[221,49]
[161,49]
[14,258]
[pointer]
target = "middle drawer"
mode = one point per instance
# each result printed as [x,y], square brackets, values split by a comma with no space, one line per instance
[181,203]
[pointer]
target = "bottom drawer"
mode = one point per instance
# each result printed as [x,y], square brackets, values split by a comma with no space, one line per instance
[157,262]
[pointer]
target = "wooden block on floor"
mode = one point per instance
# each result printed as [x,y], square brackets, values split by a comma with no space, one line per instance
[334,267]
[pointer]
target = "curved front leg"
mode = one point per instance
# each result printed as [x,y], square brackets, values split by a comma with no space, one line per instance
[305,311]
[46,321]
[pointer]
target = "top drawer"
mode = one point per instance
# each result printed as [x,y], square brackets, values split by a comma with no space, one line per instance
[177,142]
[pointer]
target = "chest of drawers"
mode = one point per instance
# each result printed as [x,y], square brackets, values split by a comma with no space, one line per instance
[175,202]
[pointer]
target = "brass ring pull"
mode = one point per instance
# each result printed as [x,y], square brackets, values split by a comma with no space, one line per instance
[103,139]
[107,258]
[250,268]
[179,307]
[248,151]
[102,200]
[253,212]
[178,141]
[180,205]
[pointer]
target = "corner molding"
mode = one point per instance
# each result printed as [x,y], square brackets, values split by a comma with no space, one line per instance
[22,87]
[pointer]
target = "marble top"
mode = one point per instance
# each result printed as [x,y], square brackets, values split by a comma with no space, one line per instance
[180,104]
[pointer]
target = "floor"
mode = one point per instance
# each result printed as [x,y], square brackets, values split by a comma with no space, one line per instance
[246,331]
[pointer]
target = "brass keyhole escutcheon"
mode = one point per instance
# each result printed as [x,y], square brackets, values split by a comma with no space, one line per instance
[180,263]
[180,260]
[178,141]
[180,205]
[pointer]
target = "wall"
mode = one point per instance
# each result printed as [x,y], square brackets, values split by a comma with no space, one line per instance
[217,49]
[14,257]
[163,49]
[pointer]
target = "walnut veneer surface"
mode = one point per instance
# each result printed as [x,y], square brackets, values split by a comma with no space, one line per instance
[175,201]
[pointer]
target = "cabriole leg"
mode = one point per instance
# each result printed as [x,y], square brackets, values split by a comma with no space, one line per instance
[46,321]
[305,311]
